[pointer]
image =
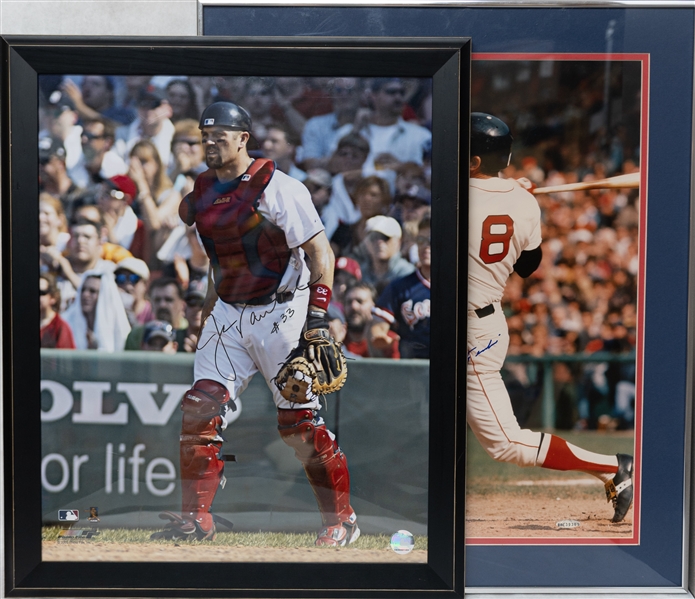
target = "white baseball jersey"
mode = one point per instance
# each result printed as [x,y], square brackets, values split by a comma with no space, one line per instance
[286,203]
[239,340]
[504,220]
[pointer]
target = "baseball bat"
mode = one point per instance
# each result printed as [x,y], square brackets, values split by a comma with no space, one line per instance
[629,181]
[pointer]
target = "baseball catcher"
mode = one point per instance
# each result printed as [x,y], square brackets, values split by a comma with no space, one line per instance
[268,254]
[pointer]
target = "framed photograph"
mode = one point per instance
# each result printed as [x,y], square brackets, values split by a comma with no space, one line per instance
[105,147]
[573,84]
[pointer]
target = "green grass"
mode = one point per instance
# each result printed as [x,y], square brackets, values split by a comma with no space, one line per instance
[238,539]
[485,476]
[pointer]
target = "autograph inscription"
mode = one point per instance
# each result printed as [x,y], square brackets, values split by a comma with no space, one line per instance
[221,351]
[220,348]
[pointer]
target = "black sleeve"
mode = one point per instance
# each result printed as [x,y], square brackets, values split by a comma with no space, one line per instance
[528,262]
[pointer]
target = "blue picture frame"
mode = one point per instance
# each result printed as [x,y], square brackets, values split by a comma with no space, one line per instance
[666,35]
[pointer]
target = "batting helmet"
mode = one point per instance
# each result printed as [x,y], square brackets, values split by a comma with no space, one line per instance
[491,140]
[230,115]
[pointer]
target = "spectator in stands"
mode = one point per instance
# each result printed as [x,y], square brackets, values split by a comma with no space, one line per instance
[132,276]
[349,156]
[226,89]
[184,257]
[188,158]
[133,86]
[337,326]
[280,144]
[319,135]
[94,99]
[379,254]
[98,161]
[166,296]
[157,199]
[194,298]
[346,164]
[158,335]
[408,175]
[97,317]
[123,227]
[203,88]
[62,127]
[152,124]
[53,228]
[412,204]
[181,97]
[410,207]
[359,309]
[292,103]
[109,251]
[83,254]
[406,306]
[55,332]
[306,95]
[53,174]
[372,198]
[259,98]
[347,272]
[319,183]
[391,139]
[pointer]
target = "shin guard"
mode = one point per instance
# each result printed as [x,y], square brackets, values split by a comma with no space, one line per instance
[324,463]
[204,407]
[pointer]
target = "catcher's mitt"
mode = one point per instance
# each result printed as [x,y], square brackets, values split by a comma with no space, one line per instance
[315,367]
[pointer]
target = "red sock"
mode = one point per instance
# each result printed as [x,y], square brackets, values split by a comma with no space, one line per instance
[561,456]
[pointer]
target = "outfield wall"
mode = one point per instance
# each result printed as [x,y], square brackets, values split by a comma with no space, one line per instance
[111,422]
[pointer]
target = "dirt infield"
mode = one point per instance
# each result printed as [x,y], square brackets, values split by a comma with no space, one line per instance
[536,515]
[504,501]
[88,551]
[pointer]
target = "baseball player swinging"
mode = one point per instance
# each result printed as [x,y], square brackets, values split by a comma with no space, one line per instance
[271,275]
[505,236]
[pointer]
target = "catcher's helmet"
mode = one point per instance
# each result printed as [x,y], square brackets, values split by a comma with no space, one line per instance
[230,115]
[491,140]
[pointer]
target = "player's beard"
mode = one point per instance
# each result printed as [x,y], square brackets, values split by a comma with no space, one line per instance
[213,161]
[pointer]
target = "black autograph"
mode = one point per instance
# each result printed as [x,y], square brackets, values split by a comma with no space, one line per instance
[220,343]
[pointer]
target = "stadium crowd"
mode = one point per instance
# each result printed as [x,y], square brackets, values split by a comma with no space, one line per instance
[120,270]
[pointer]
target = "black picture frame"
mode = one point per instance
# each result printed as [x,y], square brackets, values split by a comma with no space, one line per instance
[447,61]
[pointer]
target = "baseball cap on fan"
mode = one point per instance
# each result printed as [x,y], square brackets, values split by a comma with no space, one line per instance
[229,115]
[385,225]
[49,147]
[197,290]
[151,97]
[121,187]
[416,192]
[158,329]
[350,266]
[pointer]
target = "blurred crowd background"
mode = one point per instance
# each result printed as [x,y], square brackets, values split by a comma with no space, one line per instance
[120,270]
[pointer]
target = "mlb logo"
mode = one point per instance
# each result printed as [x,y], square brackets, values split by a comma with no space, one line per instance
[208,122]
[68,515]
[246,177]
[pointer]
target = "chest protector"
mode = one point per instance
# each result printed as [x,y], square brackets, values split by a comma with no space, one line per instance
[248,253]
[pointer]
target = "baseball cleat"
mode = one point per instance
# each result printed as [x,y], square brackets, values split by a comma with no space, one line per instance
[182,529]
[619,490]
[339,535]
